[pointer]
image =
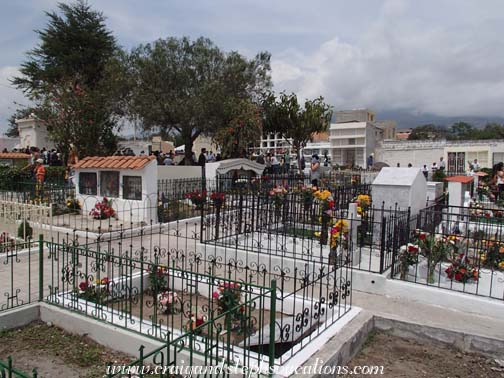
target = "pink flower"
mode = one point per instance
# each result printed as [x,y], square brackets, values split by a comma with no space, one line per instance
[215,295]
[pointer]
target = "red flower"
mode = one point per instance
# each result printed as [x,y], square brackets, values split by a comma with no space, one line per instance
[330,204]
[422,236]
[83,286]
[459,276]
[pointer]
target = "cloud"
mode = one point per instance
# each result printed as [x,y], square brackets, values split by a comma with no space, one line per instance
[9,96]
[403,63]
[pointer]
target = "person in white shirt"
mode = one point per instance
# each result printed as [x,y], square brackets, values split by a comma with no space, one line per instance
[442,164]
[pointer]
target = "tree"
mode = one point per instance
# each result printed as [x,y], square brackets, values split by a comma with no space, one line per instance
[20,113]
[70,78]
[428,132]
[184,87]
[462,130]
[286,116]
[243,129]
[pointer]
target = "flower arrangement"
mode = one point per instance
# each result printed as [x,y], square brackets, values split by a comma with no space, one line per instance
[278,195]
[363,202]
[97,291]
[73,204]
[158,278]
[198,198]
[462,270]
[408,256]
[307,196]
[493,257]
[326,210]
[167,300]
[194,322]
[103,209]
[217,198]
[339,233]
[435,248]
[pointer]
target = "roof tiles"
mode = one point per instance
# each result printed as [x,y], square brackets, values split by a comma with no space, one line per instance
[462,179]
[14,155]
[114,162]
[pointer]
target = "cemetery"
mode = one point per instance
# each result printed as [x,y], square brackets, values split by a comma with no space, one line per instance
[238,266]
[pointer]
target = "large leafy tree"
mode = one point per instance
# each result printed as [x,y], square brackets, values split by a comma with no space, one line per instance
[186,87]
[428,132]
[72,78]
[297,124]
[242,130]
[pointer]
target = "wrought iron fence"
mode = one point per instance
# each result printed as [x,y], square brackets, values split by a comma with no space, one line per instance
[7,370]
[459,249]
[33,192]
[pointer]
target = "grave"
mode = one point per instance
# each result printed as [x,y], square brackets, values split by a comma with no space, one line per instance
[234,169]
[405,187]
[457,188]
[434,191]
[129,181]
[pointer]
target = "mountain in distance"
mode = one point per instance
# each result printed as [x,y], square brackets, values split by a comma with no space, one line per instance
[406,119]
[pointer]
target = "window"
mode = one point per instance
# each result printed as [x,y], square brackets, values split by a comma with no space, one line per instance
[87,183]
[132,187]
[351,141]
[109,184]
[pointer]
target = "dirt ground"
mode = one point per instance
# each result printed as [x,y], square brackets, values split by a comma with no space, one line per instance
[56,353]
[403,358]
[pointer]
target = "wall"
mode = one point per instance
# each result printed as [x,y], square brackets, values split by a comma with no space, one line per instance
[170,172]
[127,210]
[33,133]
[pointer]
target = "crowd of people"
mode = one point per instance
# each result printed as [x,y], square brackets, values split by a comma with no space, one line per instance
[49,157]
[170,158]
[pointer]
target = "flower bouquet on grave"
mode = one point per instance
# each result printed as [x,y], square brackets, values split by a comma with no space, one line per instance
[97,291]
[158,278]
[73,204]
[363,202]
[462,270]
[229,302]
[196,320]
[103,210]
[435,248]
[278,196]
[339,239]
[167,301]
[198,198]
[408,256]
[493,256]
[326,203]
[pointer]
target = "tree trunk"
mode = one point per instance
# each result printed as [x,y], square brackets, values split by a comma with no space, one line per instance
[188,151]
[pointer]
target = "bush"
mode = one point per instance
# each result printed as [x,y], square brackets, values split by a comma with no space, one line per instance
[25,231]
[438,175]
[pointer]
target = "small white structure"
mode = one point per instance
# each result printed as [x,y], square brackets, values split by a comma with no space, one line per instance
[33,133]
[457,188]
[233,168]
[434,191]
[405,187]
[129,181]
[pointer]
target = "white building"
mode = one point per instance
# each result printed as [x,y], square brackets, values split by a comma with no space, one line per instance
[33,133]
[353,140]
[456,154]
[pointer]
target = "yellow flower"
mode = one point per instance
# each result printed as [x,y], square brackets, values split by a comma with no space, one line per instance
[359,210]
[317,234]
[483,257]
[501,264]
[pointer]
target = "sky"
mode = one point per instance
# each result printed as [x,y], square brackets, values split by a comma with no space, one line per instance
[444,57]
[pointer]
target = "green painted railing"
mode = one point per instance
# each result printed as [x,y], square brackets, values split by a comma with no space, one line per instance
[8,371]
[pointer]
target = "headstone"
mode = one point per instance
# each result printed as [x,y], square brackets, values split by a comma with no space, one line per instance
[405,187]
[434,191]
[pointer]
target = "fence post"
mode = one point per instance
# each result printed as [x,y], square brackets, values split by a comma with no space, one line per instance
[382,246]
[41,267]
[272,328]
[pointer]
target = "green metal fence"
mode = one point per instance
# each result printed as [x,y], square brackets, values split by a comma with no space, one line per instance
[8,371]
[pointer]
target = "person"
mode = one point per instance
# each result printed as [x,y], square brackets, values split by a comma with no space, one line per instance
[211,156]
[410,165]
[260,159]
[315,170]
[303,163]
[218,157]
[370,161]
[498,179]
[434,167]
[275,164]
[168,160]
[202,158]
[268,163]
[287,159]
[326,160]
[40,173]
[73,157]
[442,164]
[142,153]
[474,166]
[425,171]
[398,165]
